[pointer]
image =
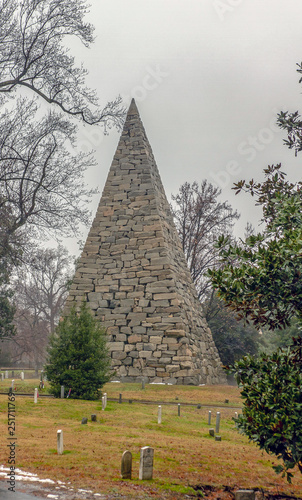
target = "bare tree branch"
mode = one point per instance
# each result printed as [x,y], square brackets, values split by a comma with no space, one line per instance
[200,218]
[32,55]
[40,179]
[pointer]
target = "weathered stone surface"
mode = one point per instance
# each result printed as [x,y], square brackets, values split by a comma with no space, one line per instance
[116,346]
[134,275]
[146,463]
[126,467]
[245,495]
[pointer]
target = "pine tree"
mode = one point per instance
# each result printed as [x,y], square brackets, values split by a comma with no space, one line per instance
[78,357]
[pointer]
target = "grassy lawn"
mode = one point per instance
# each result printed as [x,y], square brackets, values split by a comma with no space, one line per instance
[184,454]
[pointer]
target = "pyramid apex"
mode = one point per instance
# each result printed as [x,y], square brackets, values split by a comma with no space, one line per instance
[133,108]
[133,122]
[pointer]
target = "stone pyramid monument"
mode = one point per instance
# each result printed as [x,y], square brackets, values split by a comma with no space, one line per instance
[134,275]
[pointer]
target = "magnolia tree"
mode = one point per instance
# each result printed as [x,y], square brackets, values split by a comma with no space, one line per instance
[262,281]
[272,413]
[261,277]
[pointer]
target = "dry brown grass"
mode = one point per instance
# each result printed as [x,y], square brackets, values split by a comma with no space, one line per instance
[185,454]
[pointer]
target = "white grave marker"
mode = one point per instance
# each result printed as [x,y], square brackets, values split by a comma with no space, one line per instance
[217,422]
[146,463]
[60,442]
[159,415]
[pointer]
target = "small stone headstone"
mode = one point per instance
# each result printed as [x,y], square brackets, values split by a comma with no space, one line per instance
[212,432]
[36,395]
[209,418]
[103,403]
[13,373]
[13,383]
[105,396]
[236,414]
[62,391]
[146,463]
[159,415]
[84,420]
[198,407]
[120,398]
[60,442]
[93,418]
[126,468]
[245,495]
[178,409]
[217,438]
[217,421]
[22,376]
[130,401]
[226,401]
[6,374]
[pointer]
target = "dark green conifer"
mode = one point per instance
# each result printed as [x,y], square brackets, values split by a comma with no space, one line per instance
[78,357]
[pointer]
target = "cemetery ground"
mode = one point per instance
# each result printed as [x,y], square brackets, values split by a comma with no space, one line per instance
[188,462]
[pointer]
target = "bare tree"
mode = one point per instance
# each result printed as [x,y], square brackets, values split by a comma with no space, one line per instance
[41,180]
[42,284]
[41,175]
[200,218]
[30,341]
[32,55]
[10,244]
[41,288]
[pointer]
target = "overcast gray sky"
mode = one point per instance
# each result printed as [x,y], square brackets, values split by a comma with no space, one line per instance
[209,77]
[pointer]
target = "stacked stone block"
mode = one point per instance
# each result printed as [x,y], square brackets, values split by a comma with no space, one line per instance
[134,275]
